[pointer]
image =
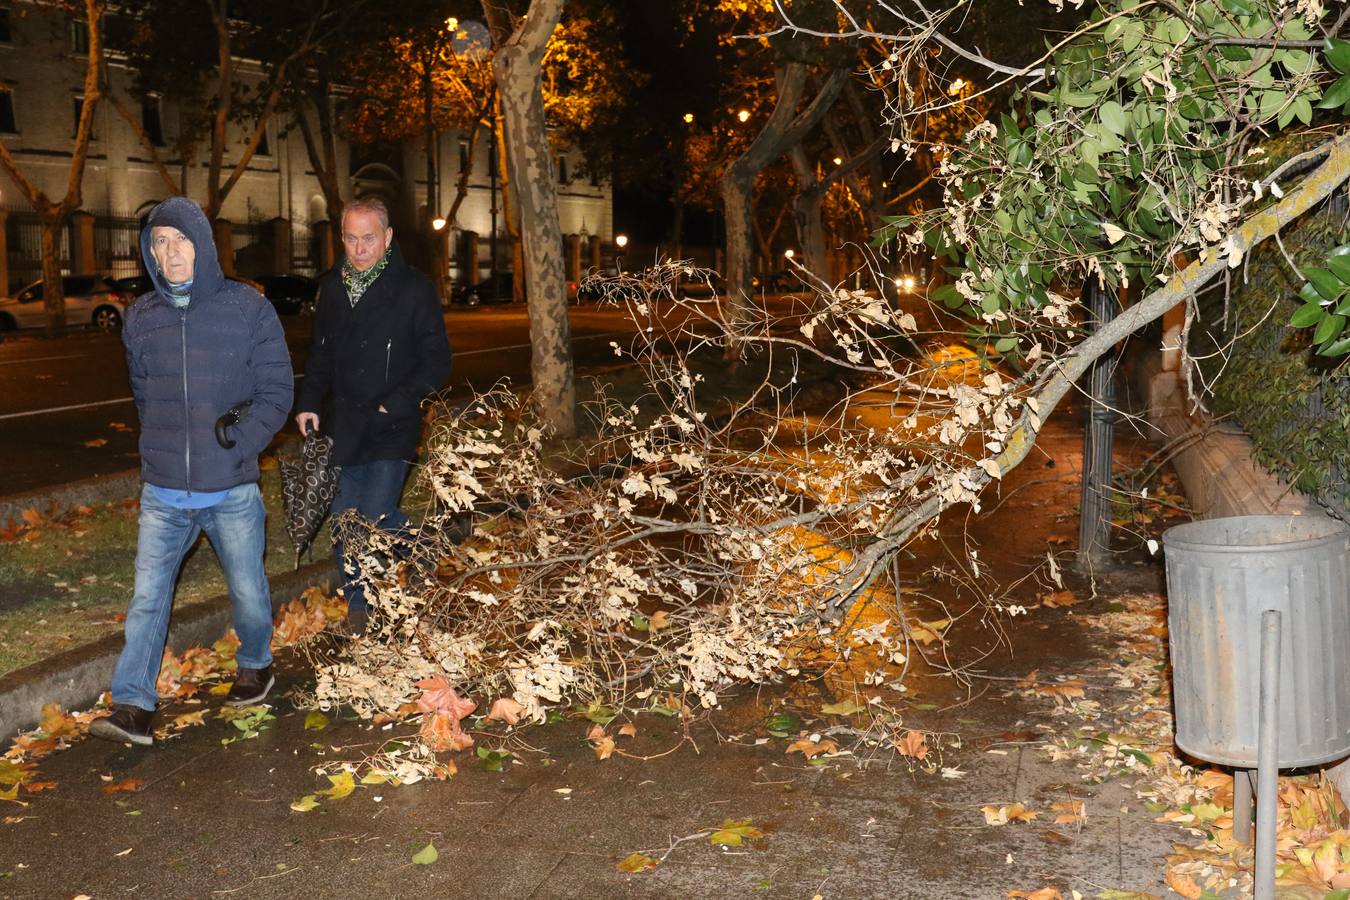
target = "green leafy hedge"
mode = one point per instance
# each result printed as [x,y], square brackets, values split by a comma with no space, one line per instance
[1293,402]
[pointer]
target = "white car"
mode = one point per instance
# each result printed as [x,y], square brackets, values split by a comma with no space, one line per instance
[90,300]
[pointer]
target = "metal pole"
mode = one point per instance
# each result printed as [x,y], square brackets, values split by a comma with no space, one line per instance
[1094,516]
[1242,806]
[1267,756]
[493,162]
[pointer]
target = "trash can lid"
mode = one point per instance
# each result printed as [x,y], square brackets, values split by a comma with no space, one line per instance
[1239,534]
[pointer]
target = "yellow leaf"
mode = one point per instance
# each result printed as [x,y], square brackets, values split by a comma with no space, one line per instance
[660,619]
[1070,812]
[11,794]
[375,776]
[842,708]
[187,719]
[315,721]
[734,832]
[343,784]
[55,723]
[221,689]
[637,862]
[1002,815]
[305,803]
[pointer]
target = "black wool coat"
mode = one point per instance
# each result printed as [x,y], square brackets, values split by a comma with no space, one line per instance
[389,350]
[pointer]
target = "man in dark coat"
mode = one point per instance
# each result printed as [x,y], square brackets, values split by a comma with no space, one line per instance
[197,347]
[378,350]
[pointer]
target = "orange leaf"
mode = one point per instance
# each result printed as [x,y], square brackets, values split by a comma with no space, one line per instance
[596,733]
[96,442]
[32,516]
[1045,893]
[628,730]
[1070,812]
[38,786]
[1183,885]
[504,709]
[439,697]
[55,723]
[659,619]
[1059,598]
[442,732]
[811,749]
[604,748]
[129,786]
[913,744]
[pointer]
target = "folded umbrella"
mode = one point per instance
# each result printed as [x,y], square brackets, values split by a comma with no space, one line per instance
[308,483]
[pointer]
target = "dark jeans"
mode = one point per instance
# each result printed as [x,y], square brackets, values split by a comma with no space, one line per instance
[373,489]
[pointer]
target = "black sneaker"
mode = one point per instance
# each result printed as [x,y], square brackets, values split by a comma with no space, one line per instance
[250,686]
[128,724]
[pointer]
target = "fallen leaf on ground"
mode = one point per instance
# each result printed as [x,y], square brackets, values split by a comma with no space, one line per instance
[637,862]
[504,709]
[305,803]
[842,708]
[811,749]
[1183,885]
[96,442]
[1002,815]
[375,776]
[343,784]
[1126,895]
[1059,598]
[193,718]
[1070,812]
[604,748]
[660,619]
[426,856]
[628,729]
[37,787]
[127,786]
[1046,893]
[913,744]
[56,723]
[315,721]
[734,832]
[124,852]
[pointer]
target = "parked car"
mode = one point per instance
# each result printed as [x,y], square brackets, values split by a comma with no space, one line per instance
[90,300]
[136,285]
[290,294]
[493,289]
[780,282]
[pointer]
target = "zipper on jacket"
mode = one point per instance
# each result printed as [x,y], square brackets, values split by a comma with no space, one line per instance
[388,349]
[187,412]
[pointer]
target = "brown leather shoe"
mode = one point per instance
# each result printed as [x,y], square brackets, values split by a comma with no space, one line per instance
[128,724]
[250,686]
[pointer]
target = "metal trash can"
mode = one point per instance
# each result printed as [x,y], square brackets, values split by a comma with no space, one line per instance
[1222,574]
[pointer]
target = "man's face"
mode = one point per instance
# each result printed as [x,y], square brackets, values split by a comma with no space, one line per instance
[173,252]
[364,239]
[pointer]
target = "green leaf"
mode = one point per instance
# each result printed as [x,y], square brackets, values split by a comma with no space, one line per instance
[1078,99]
[316,721]
[1337,347]
[1239,7]
[783,724]
[1342,894]
[637,862]
[1328,328]
[1114,118]
[1337,94]
[1340,267]
[426,856]
[1138,754]
[601,714]
[1003,345]
[1337,53]
[1328,285]
[491,760]
[948,296]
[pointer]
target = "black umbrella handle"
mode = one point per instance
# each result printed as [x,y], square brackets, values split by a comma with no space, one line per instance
[232,417]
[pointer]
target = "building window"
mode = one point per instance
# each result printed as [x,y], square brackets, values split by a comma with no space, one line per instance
[151,121]
[8,124]
[595,176]
[264,146]
[6,36]
[77,107]
[79,38]
[463,154]
[562,171]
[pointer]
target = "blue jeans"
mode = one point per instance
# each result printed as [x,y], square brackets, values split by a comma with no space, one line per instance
[235,528]
[373,489]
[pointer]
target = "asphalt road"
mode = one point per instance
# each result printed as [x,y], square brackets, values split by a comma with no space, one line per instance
[66,411]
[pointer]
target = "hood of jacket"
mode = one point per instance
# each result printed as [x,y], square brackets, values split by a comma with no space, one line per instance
[187,217]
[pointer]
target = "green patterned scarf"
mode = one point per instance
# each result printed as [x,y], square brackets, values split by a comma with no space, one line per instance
[357,282]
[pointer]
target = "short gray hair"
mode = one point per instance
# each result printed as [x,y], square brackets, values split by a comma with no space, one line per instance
[369,205]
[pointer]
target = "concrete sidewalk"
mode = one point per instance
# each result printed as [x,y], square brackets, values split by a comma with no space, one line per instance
[209,819]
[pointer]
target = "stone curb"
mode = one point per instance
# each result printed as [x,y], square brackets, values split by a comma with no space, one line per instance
[76,677]
[93,491]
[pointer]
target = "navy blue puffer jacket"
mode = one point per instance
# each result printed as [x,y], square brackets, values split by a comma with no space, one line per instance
[189,366]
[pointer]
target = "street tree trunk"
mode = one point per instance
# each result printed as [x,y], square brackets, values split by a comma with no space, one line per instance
[807,214]
[322,152]
[516,67]
[53,215]
[785,128]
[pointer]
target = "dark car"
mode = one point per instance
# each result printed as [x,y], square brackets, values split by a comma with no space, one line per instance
[494,289]
[782,281]
[290,294]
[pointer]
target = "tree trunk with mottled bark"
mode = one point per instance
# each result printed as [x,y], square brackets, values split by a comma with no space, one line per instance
[516,67]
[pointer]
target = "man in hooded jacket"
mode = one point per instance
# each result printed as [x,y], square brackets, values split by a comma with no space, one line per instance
[378,350]
[197,346]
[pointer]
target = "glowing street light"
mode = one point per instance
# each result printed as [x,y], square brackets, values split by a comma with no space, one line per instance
[688,118]
[838,160]
[789,253]
[905,282]
[438,223]
[957,87]
[621,240]
[452,24]
[743,115]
